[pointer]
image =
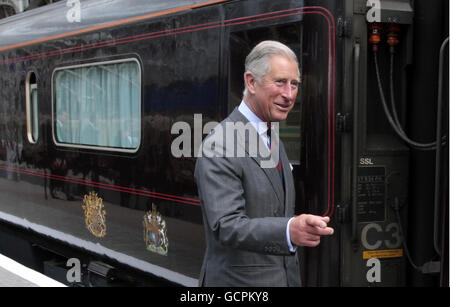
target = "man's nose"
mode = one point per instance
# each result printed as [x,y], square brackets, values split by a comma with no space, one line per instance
[288,92]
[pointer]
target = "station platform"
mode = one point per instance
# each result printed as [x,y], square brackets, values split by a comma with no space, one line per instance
[14,274]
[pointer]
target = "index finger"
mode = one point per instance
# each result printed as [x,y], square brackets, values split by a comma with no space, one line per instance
[316,221]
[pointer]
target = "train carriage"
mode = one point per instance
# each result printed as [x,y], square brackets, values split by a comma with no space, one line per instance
[102,112]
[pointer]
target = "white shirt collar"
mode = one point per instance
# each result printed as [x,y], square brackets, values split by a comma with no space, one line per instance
[260,126]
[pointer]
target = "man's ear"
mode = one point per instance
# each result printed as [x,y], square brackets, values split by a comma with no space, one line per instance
[250,82]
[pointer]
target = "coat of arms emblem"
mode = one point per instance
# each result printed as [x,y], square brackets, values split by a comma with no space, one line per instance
[155,232]
[94,214]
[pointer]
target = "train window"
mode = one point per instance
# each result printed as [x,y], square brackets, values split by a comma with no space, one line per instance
[241,43]
[98,106]
[31,93]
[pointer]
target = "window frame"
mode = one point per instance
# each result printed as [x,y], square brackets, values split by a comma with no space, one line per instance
[94,147]
[286,125]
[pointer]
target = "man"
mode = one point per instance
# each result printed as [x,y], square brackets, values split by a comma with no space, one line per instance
[248,210]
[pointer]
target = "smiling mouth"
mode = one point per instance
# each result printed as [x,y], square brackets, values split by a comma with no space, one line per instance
[283,107]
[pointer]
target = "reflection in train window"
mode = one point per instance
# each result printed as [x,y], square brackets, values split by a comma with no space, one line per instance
[241,43]
[31,94]
[98,106]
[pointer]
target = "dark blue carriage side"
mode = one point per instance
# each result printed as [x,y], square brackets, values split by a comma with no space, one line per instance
[44,184]
[183,72]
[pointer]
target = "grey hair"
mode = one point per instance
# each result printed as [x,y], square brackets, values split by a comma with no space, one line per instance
[258,60]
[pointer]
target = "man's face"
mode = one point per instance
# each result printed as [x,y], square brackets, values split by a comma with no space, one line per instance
[276,94]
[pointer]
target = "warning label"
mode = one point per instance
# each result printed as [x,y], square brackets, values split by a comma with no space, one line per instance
[387,253]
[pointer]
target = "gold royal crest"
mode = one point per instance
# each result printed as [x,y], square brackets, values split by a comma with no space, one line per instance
[155,232]
[94,214]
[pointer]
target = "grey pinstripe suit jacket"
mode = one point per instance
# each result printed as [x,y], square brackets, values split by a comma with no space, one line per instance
[245,214]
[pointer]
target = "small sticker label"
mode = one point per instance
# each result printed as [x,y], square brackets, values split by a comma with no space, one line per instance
[387,253]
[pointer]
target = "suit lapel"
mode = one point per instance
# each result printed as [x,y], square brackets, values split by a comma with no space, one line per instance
[274,178]
[271,173]
[288,181]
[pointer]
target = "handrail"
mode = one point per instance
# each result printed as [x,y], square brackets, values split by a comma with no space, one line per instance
[355,155]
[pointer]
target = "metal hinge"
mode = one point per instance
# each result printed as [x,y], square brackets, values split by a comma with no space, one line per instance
[343,122]
[343,213]
[343,27]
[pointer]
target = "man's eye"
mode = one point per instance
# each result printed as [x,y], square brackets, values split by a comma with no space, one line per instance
[280,82]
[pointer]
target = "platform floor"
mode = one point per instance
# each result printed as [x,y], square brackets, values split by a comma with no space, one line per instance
[14,274]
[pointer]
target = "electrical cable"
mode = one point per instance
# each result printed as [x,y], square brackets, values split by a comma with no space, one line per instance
[397,128]
[437,180]
[430,146]
[405,247]
[391,75]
